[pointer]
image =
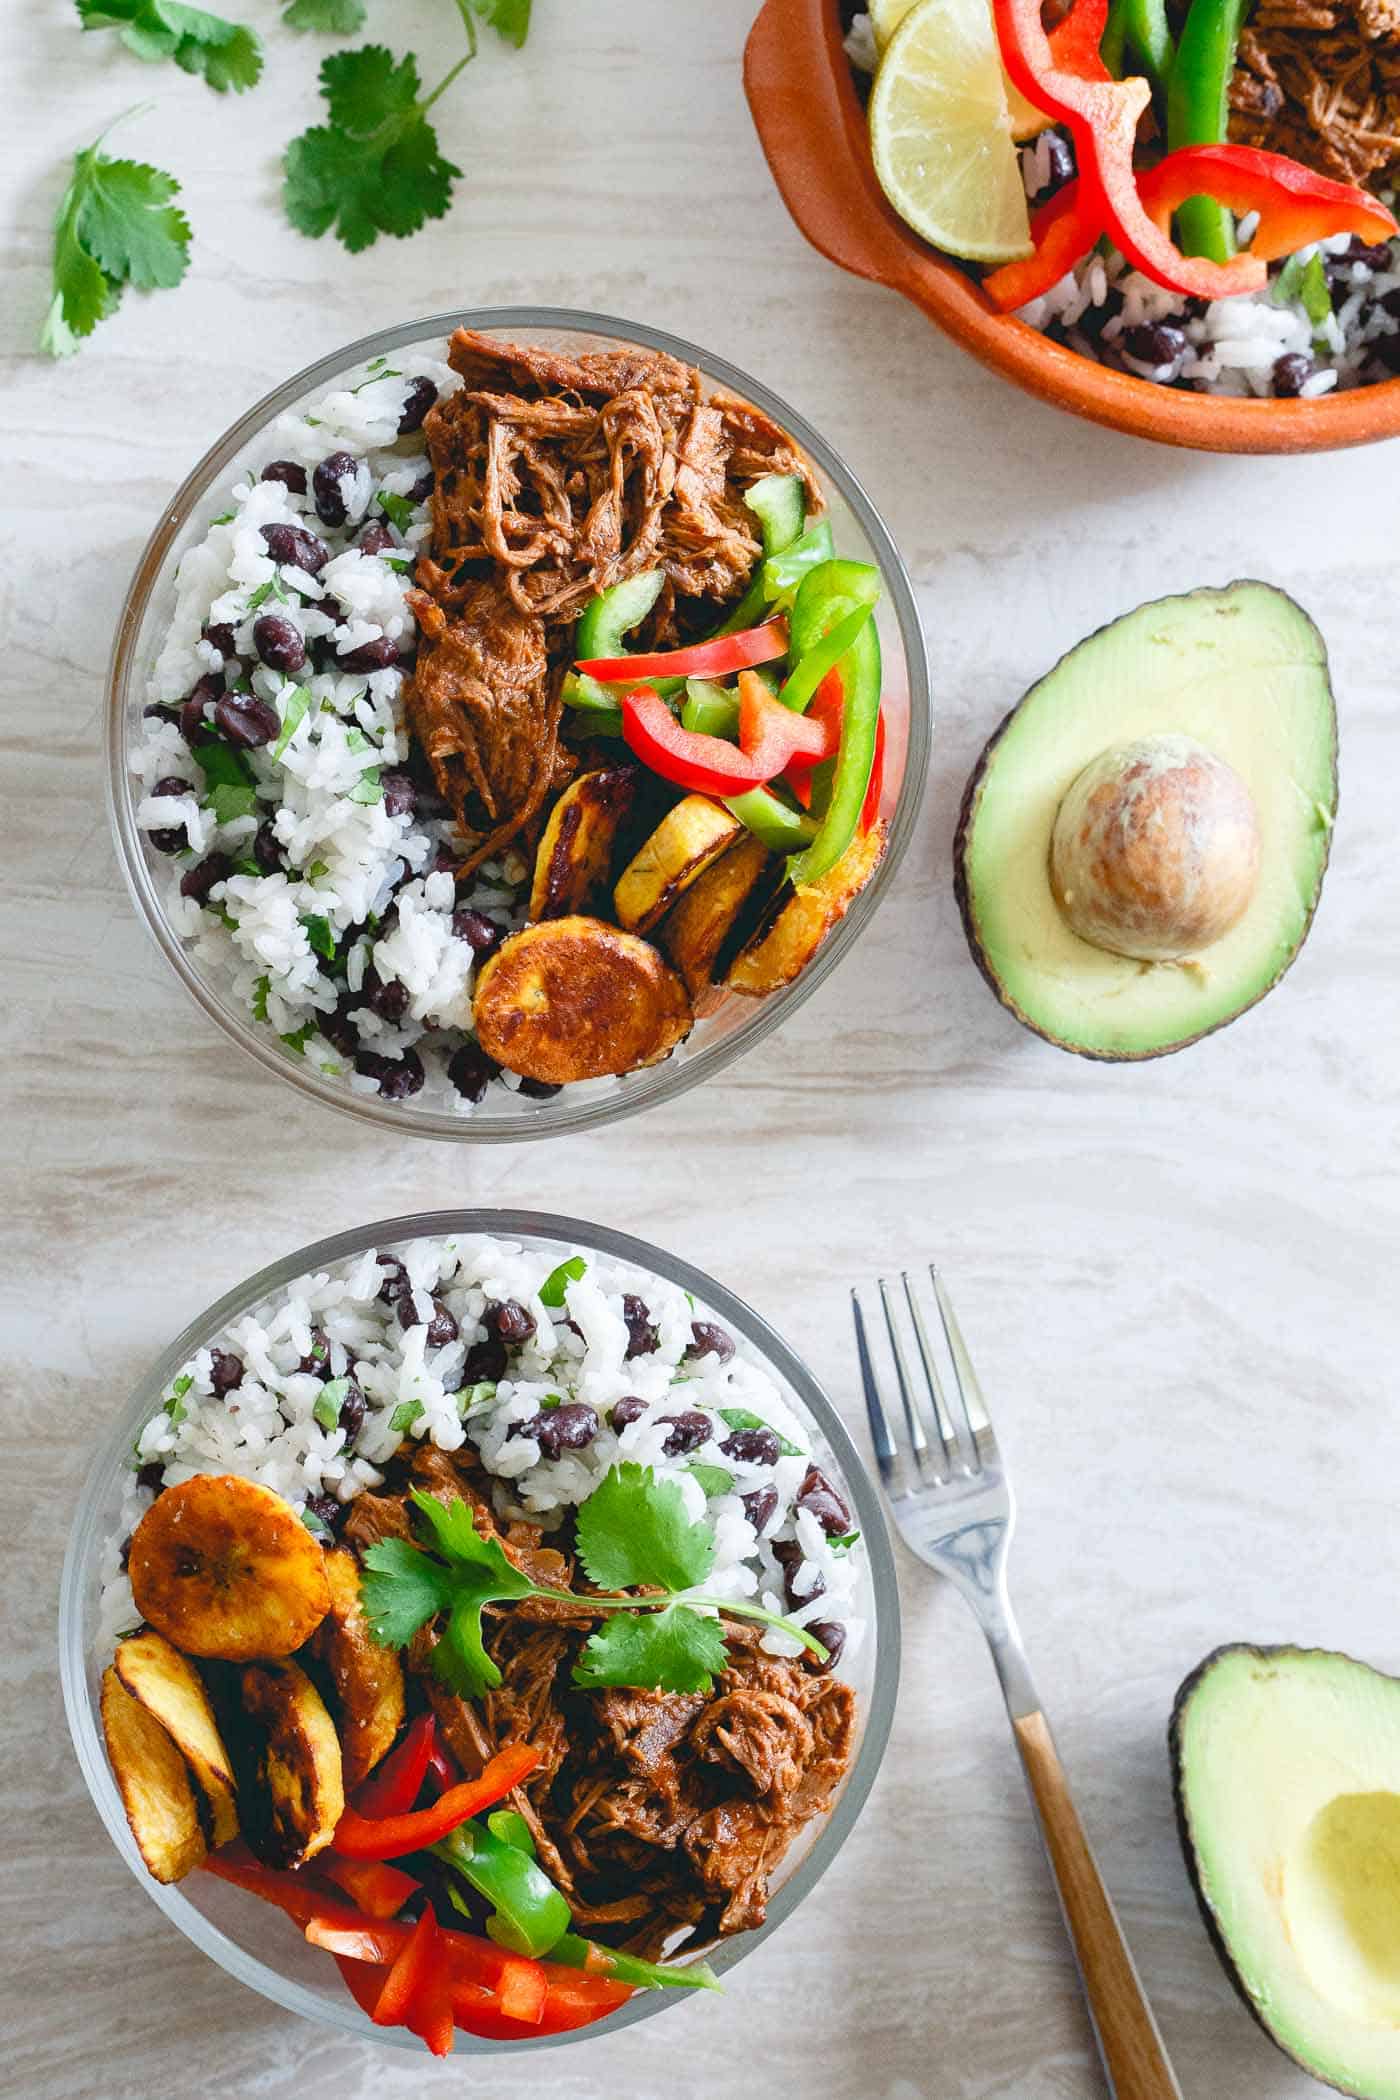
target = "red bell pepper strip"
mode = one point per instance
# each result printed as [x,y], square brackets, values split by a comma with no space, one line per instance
[706,765]
[772,736]
[1295,206]
[390,1837]
[372,1885]
[1064,230]
[381,1941]
[363,1979]
[572,2000]
[417,1992]
[298,1897]
[714,659]
[1102,114]
[395,1786]
[443,1771]
[870,814]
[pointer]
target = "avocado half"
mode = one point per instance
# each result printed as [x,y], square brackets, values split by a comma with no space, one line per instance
[1240,673]
[1286,1773]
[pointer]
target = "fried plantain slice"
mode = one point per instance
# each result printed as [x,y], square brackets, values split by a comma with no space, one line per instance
[686,841]
[224,1567]
[296,1792]
[367,1679]
[574,999]
[156,1789]
[573,866]
[167,1684]
[800,919]
[700,924]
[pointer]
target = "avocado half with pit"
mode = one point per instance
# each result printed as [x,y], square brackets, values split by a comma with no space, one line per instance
[1286,1770]
[1142,842]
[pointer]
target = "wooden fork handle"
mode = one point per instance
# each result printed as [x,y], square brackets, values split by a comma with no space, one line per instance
[1131,2048]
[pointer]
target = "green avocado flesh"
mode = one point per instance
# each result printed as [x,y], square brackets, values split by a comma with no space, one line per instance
[1287,1770]
[1242,671]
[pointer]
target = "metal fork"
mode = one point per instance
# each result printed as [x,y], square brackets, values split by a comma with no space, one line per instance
[950,1496]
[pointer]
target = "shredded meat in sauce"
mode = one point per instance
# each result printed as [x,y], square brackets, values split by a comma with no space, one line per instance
[555,478]
[654,1812]
[1321,83]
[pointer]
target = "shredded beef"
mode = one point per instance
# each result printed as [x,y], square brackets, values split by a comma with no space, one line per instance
[1321,82]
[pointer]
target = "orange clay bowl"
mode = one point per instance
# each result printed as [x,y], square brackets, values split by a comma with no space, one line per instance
[812,129]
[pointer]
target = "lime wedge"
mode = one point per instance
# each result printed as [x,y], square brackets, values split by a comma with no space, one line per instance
[885,18]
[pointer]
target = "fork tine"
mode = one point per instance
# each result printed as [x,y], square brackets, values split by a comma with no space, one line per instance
[969,1391]
[917,1435]
[886,1452]
[943,1421]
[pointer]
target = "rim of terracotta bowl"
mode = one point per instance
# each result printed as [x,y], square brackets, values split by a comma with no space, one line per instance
[560,1116]
[79,1667]
[813,132]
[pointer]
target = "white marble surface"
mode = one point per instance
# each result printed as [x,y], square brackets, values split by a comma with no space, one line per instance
[1177,1280]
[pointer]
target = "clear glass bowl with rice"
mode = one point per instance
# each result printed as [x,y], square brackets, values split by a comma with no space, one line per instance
[322,851]
[609,1313]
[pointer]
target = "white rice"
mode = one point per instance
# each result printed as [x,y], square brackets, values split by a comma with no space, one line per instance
[355,877]
[266,1428]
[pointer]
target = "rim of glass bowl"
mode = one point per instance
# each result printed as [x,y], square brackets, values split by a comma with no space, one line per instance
[663,1082]
[87,1537]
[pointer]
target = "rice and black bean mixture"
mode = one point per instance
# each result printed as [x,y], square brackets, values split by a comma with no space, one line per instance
[552,1366]
[311,863]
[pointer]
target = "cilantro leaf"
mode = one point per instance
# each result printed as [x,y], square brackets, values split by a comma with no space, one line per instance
[368,788]
[318,933]
[224,54]
[327,1405]
[1305,282]
[330,17]
[511,18]
[222,766]
[399,510]
[405,1415]
[293,716]
[230,800]
[299,1038]
[115,226]
[374,166]
[401,1589]
[478,1573]
[260,992]
[742,1418]
[676,1650]
[634,1530]
[713,1479]
[558,1280]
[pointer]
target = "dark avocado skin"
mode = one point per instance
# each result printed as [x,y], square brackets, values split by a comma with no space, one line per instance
[1188,1844]
[967,814]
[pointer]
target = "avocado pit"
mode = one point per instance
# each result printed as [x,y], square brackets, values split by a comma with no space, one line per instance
[1155,850]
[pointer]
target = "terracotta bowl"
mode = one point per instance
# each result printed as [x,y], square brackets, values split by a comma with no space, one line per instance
[812,129]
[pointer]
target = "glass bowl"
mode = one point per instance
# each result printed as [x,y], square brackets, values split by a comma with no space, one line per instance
[259,1946]
[734,1025]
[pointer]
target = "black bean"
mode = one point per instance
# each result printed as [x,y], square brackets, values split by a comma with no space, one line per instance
[555,1429]
[151,1475]
[485,1364]
[245,720]
[759,1506]
[832,1635]
[124,1555]
[422,487]
[481,934]
[172,840]
[688,1432]
[821,1499]
[1291,375]
[294,547]
[1377,256]
[266,851]
[338,1029]
[377,654]
[628,1409]
[328,486]
[376,539]
[442,1328]
[387,998]
[789,1556]
[395,1282]
[398,1077]
[708,1340]
[642,1336]
[329,1511]
[353,1409]
[318,1357]
[416,403]
[224,638]
[1387,349]
[162,711]
[288,473]
[471,1071]
[538,1089]
[1155,342]
[1391,305]
[199,880]
[279,642]
[225,1371]
[400,794]
[758,1447]
[192,721]
[510,1321]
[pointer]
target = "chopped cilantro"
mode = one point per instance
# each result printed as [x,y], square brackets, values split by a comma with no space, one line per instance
[741,1418]
[713,1479]
[293,715]
[398,510]
[318,932]
[558,1280]
[1304,282]
[405,1415]
[247,867]
[116,226]
[368,787]
[222,766]
[299,1038]
[230,802]
[313,1523]
[317,869]
[329,17]
[474,1396]
[328,1402]
[356,740]
[225,517]
[844,1543]
[175,1400]
[260,992]
[223,54]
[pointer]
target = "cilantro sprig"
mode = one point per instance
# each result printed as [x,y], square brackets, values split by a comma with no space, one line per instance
[329,17]
[223,54]
[115,226]
[633,1532]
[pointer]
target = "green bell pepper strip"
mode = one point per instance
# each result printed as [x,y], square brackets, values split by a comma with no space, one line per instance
[782,573]
[811,667]
[603,625]
[860,673]
[710,709]
[577,1953]
[511,1828]
[1198,114]
[1139,28]
[779,502]
[827,594]
[529,1915]
[781,830]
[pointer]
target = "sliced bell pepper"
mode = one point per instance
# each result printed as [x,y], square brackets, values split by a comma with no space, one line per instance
[782,574]
[811,668]
[860,674]
[1198,114]
[389,1837]
[712,659]
[771,735]
[710,709]
[874,794]
[356,1935]
[571,2000]
[511,1828]
[476,1961]
[704,765]
[1063,231]
[299,1898]
[780,829]
[603,626]
[375,1887]
[597,1960]
[779,502]
[1295,206]
[363,1979]
[827,595]
[528,1912]
[395,1785]
[417,1991]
